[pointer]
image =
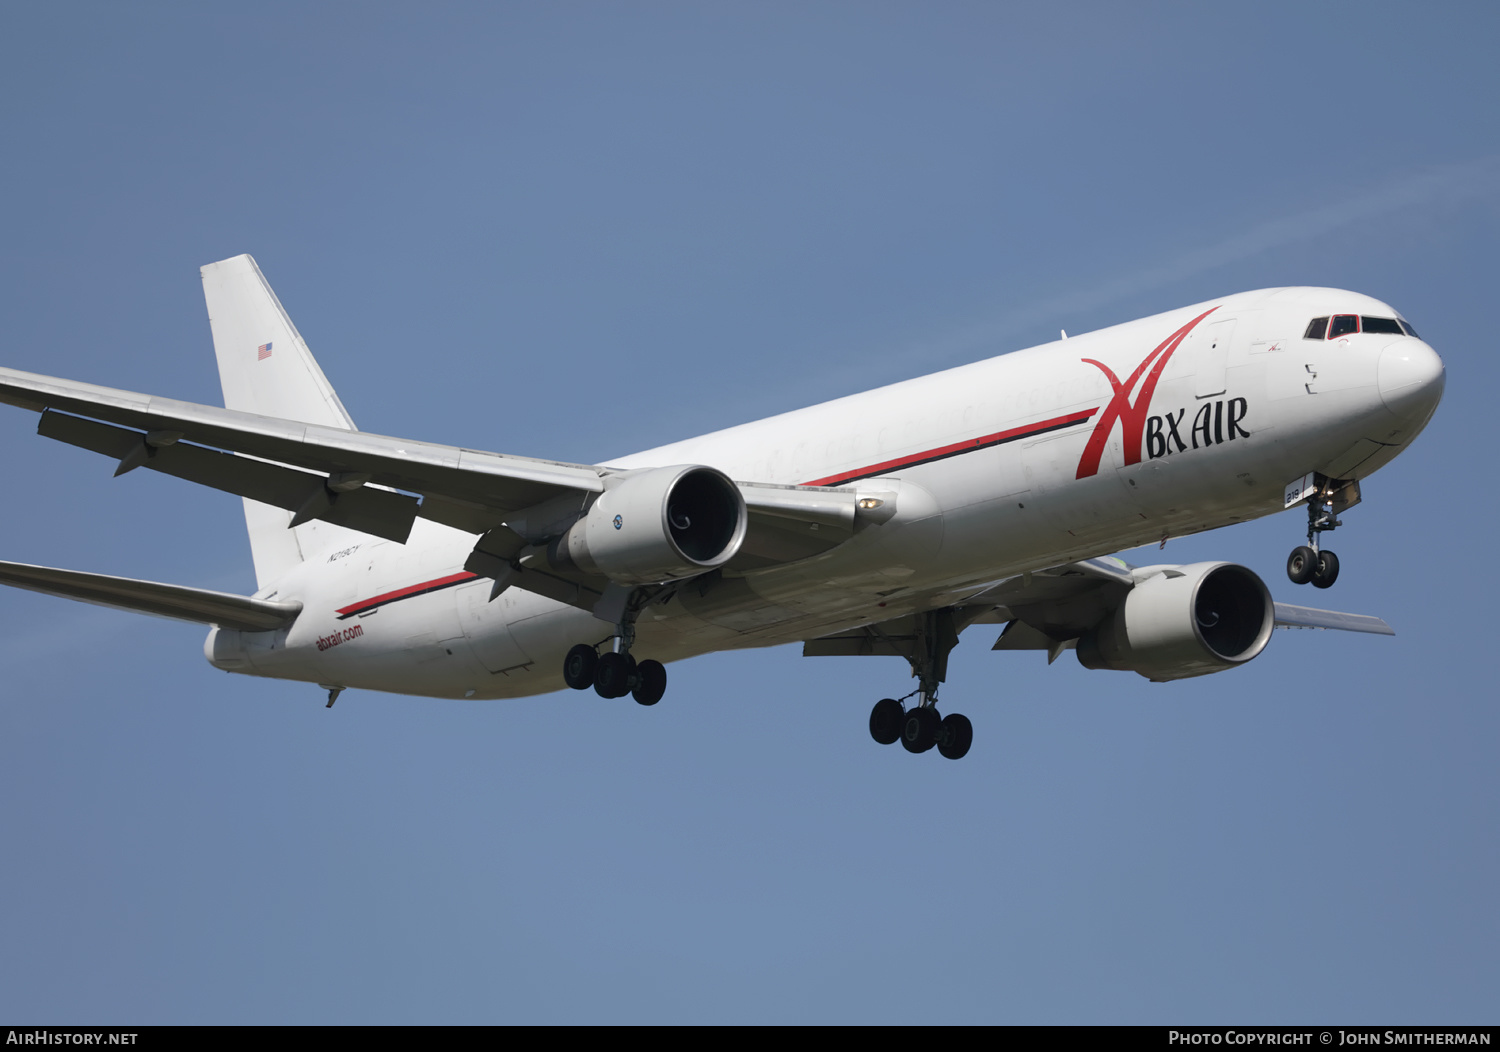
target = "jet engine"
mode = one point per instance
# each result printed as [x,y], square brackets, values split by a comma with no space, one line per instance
[656,525]
[1185,621]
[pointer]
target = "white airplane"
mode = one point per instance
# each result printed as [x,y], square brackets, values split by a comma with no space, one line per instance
[883,523]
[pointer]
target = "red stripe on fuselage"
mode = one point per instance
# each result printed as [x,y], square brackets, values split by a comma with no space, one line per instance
[366,605]
[968,445]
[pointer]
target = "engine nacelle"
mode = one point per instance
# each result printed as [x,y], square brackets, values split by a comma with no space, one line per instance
[1187,621]
[656,525]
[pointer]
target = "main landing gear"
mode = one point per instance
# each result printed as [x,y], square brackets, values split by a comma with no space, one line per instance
[921,727]
[615,673]
[1309,563]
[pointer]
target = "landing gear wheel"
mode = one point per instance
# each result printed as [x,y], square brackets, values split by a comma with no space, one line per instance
[955,735]
[1302,564]
[1327,571]
[613,678]
[885,721]
[651,682]
[579,666]
[919,731]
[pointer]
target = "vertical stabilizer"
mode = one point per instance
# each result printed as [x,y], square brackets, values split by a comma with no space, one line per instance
[266,368]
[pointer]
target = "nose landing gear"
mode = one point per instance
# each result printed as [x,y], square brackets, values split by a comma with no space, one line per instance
[1309,563]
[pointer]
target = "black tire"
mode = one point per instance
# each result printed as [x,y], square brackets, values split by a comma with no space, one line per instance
[612,677]
[955,735]
[885,721]
[1328,570]
[651,682]
[579,666]
[1302,564]
[919,730]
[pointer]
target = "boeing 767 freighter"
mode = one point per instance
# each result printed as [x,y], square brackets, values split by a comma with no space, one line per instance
[884,523]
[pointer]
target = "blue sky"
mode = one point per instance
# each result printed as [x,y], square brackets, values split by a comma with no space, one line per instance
[575,231]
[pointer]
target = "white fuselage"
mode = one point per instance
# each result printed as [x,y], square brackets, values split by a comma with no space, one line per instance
[1021,462]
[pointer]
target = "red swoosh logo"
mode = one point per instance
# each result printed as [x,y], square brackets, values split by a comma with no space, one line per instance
[1131,415]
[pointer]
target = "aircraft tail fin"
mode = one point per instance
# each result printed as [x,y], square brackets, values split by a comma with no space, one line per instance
[265,367]
[264,364]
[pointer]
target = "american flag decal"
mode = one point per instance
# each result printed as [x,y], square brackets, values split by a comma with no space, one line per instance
[262,352]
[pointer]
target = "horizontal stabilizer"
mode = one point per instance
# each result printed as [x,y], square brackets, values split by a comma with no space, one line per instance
[1289,616]
[147,597]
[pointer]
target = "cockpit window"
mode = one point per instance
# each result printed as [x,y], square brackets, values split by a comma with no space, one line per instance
[1348,324]
[1343,325]
[1385,325]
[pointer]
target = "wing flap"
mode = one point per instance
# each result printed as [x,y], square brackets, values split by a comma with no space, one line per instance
[149,597]
[375,511]
[894,638]
[1018,635]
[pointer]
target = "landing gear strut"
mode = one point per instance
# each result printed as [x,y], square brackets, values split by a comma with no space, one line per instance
[921,727]
[1309,563]
[614,673]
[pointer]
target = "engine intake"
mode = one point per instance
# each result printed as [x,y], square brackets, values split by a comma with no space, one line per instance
[1187,621]
[656,525]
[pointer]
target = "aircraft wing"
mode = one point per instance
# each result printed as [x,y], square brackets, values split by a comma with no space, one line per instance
[148,597]
[1062,602]
[1049,609]
[469,489]
[1289,616]
[379,484]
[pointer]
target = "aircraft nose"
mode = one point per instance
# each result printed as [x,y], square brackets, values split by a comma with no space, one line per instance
[1410,377]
